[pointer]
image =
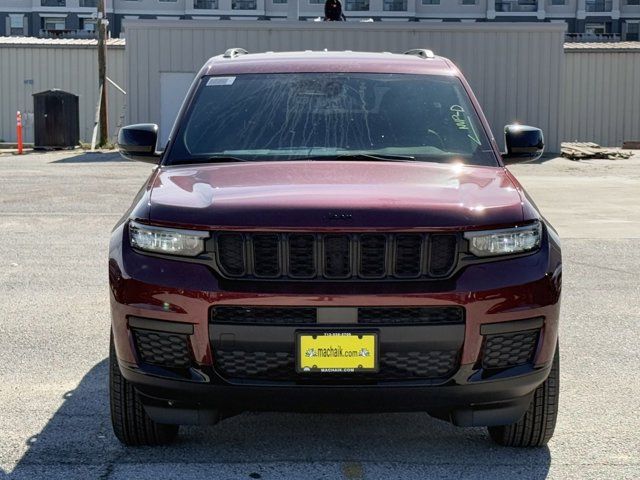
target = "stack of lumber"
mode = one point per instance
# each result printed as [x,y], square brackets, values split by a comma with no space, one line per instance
[582,150]
[631,145]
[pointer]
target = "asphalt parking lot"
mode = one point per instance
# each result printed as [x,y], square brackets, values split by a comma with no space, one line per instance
[56,211]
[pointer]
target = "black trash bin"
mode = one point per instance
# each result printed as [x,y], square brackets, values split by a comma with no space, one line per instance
[56,121]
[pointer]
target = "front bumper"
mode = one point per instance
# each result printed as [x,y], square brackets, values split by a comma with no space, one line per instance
[491,402]
[502,294]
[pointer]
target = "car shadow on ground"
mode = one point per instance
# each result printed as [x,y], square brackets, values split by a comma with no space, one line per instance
[77,442]
[91,157]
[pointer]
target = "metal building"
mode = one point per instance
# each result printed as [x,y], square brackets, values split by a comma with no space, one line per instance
[31,65]
[515,70]
[585,19]
[520,72]
[602,93]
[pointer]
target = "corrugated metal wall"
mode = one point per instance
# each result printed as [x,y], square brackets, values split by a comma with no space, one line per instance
[28,69]
[519,72]
[516,70]
[602,95]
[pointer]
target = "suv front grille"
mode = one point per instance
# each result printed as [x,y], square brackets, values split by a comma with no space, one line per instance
[302,256]
[310,256]
[431,364]
[411,316]
[162,348]
[440,253]
[233,260]
[280,366]
[249,315]
[264,365]
[337,256]
[264,315]
[409,256]
[509,349]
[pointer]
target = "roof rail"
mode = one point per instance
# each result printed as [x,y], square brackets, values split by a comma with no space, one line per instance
[420,52]
[234,52]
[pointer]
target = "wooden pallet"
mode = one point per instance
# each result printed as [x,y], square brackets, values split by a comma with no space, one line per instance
[583,150]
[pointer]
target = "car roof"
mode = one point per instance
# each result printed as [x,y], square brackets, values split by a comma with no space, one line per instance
[235,61]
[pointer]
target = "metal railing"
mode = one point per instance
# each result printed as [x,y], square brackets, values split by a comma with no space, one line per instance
[516,6]
[599,6]
[592,37]
[357,5]
[205,4]
[66,34]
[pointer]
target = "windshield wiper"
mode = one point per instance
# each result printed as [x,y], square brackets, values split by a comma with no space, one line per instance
[380,157]
[383,157]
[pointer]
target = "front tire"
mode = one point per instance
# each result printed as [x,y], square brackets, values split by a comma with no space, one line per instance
[536,427]
[131,424]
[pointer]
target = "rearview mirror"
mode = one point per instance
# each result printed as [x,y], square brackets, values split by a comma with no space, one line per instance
[524,143]
[138,142]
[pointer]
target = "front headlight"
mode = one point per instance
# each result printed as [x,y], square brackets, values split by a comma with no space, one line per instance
[505,241]
[188,243]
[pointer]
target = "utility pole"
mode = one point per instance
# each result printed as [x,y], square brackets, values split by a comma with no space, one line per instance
[102,72]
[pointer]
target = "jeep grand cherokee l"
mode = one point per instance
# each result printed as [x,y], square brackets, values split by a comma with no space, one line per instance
[333,232]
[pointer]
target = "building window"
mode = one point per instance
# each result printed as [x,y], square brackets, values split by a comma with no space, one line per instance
[633,2]
[598,5]
[317,2]
[89,3]
[243,4]
[595,28]
[468,2]
[394,5]
[53,3]
[54,23]
[430,2]
[633,32]
[168,1]
[557,2]
[517,6]
[279,1]
[357,5]
[89,24]
[16,23]
[205,4]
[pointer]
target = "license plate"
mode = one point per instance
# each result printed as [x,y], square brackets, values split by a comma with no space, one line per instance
[337,352]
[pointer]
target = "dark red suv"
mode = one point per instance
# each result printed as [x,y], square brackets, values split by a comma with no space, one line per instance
[333,232]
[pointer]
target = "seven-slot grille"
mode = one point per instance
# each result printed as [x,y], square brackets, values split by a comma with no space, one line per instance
[335,256]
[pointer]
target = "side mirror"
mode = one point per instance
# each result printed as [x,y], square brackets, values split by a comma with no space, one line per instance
[138,142]
[524,143]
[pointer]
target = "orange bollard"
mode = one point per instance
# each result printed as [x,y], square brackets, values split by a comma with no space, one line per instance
[19,132]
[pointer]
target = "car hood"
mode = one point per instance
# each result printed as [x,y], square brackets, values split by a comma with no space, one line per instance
[334,194]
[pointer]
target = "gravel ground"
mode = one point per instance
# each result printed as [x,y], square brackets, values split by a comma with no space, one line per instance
[56,211]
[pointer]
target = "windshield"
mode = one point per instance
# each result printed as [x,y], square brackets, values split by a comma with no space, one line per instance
[316,116]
